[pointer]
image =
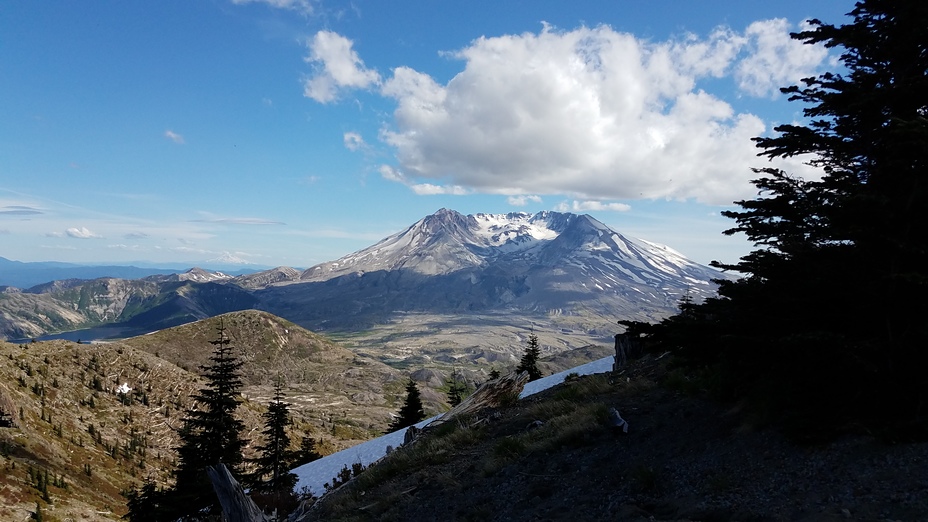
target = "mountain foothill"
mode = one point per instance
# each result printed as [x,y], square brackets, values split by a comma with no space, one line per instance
[117,359]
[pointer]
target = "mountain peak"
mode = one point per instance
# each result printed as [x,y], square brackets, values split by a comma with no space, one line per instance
[447,242]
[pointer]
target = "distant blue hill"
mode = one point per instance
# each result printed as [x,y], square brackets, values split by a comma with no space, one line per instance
[26,275]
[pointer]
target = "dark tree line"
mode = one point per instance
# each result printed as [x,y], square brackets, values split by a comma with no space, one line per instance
[827,331]
[211,434]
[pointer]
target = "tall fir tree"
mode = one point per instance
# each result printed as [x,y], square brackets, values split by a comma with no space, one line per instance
[411,412]
[210,434]
[272,472]
[529,361]
[826,330]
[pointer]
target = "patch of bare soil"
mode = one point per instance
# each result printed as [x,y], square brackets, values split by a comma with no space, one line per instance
[683,458]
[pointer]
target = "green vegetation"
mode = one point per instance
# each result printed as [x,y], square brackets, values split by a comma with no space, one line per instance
[826,332]
[211,434]
[484,448]
[529,361]
[411,412]
[272,481]
[458,389]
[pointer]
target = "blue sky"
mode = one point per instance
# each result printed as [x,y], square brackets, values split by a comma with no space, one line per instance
[288,132]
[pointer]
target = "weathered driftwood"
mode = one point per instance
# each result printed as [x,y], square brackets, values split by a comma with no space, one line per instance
[236,505]
[489,395]
[626,348]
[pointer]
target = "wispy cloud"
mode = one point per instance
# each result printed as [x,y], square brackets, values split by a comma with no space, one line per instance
[521,201]
[4,231]
[423,189]
[128,248]
[81,233]
[333,233]
[208,218]
[592,206]
[302,6]
[173,136]
[428,189]
[19,210]
[353,141]
[135,235]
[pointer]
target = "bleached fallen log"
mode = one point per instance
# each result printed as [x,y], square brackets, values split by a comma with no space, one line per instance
[236,505]
[489,395]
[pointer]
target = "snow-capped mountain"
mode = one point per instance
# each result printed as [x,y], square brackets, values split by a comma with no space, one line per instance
[195,274]
[447,280]
[448,242]
[545,264]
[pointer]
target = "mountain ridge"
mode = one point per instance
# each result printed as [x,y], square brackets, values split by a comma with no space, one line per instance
[567,275]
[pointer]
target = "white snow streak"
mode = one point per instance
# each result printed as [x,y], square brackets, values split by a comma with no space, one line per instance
[315,474]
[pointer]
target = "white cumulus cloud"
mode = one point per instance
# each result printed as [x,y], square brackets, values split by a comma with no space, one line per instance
[591,113]
[775,60]
[337,67]
[81,233]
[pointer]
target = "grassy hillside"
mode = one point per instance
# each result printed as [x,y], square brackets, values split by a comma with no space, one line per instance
[555,456]
[72,420]
[330,388]
[100,418]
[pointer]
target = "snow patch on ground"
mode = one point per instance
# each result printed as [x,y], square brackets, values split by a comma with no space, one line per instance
[315,474]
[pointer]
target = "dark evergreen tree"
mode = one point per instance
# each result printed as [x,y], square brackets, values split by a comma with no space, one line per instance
[494,374]
[272,478]
[826,331]
[307,452]
[145,503]
[529,361]
[411,412]
[457,389]
[210,433]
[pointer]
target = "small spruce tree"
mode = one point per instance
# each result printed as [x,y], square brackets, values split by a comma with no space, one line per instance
[529,361]
[144,503]
[272,474]
[307,452]
[411,412]
[457,389]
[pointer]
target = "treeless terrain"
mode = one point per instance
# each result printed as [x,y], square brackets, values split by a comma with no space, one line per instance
[554,456]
